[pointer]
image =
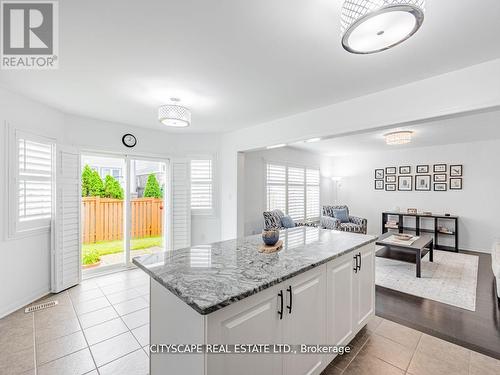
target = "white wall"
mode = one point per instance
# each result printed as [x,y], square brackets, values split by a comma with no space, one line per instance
[477,204]
[254,194]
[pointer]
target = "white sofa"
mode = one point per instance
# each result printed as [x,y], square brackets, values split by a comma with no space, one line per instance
[495,264]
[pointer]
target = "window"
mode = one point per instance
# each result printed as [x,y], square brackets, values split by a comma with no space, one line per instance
[293,190]
[202,186]
[33,182]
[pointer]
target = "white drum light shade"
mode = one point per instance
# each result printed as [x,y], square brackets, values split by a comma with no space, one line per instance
[370,26]
[174,115]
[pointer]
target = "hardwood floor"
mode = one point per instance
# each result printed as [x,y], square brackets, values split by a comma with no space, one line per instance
[477,330]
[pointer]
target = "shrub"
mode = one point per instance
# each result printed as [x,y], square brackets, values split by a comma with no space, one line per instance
[112,188]
[92,185]
[152,189]
[91,256]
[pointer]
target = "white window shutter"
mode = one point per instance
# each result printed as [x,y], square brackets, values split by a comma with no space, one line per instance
[181,203]
[66,235]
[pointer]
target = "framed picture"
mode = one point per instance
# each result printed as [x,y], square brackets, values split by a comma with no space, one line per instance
[390,179]
[405,183]
[423,182]
[455,183]
[379,174]
[379,184]
[440,178]
[422,169]
[456,170]
[390,187]
[439,168]
[405,170]
[440,186]
[390,170]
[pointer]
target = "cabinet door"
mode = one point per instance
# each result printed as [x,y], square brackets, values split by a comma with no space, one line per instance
[364,284]
[339,300]
[252,321]
[306,322]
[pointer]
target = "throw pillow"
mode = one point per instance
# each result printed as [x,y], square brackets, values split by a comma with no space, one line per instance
[287,222]
[341,214]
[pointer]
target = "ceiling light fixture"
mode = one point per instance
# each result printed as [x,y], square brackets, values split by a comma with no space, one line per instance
[276,146]
[370,26]
[398,138]
[174,115]
[313,140]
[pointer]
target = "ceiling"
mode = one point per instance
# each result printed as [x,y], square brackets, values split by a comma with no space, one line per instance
[470,128]
[237,63]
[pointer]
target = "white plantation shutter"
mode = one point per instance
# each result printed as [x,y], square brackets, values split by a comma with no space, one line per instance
[181,207]
[66,235]
[312,194]
[296,193]
[202,185]
[276,187]
[34,183]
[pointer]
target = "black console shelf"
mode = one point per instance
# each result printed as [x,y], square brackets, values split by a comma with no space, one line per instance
[401,228]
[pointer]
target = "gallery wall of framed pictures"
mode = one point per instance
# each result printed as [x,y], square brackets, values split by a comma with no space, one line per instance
[424,177]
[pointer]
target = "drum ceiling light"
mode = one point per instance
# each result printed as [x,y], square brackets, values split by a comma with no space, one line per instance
[370,26]
[174,115]
[398,138]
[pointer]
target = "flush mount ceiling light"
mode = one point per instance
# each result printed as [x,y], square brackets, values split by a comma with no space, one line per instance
[398,138]
[174,115]
[370,26]
[312,140]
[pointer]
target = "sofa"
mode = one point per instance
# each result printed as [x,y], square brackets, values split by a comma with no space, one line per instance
[272,220]
[495,264]
[355,224]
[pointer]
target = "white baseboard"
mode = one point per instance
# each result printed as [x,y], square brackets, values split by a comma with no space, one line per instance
[16,305]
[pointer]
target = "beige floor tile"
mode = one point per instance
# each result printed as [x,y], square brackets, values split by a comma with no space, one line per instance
[17,363]
[401,334]
[374,323]
[387,350]
[52,350]
[130,306]
[136,363]
[84,286]
[332,370]
[13,343]
[96,317]
[483,365]
[56,313]
[18,319]
[142,334]
[146,349]
[443,350]
[342,361]
[365,364]
[137,318]
[91,305]
[105,331]
[122,296]
[86,295]
[54,329]
[422,364]
[113,348]
[115,288]
[77,363]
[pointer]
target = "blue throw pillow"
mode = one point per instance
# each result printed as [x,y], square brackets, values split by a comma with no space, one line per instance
[341,214]
[287,222]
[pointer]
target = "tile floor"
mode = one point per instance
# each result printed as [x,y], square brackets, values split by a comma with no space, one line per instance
[102,327]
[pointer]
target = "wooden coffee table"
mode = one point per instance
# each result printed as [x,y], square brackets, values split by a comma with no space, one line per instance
[417,248]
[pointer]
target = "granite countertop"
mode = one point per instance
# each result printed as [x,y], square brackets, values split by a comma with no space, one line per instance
[210,277]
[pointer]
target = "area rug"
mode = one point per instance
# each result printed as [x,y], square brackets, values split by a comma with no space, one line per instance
[450,279]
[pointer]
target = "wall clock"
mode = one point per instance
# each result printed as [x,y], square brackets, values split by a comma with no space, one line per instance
[129,140]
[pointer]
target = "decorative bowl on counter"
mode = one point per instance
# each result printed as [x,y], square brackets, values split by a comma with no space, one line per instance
[270,237]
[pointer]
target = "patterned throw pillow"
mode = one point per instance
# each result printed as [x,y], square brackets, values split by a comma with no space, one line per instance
[287,222]
[341,214]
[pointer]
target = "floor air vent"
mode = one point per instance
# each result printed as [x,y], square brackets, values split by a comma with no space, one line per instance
[41,306]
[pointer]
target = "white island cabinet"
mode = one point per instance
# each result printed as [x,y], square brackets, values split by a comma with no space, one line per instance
[320,294]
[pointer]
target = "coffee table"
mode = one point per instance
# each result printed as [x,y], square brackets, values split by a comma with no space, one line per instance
[417,248]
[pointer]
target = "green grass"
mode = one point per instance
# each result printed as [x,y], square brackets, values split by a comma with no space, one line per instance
[113,247]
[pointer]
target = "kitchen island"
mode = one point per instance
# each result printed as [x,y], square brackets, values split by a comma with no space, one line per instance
[320,289]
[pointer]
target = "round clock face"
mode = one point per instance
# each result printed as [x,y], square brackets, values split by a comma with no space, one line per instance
[129,140]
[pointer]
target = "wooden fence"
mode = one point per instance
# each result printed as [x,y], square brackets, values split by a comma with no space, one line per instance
[103,218]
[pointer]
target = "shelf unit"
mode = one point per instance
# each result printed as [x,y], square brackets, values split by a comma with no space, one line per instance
[418,217]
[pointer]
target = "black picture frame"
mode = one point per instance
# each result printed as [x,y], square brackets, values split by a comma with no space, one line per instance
[390,179]
[379,184]
[422,169]
[390,187]
[440,168]
[459,179]
[390,170]
[429,182]
[456,170]
[406,169]
[442,186]
[379,174]
[440,177]
[410,183]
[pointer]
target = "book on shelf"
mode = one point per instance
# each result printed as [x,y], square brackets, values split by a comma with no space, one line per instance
[392,224]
